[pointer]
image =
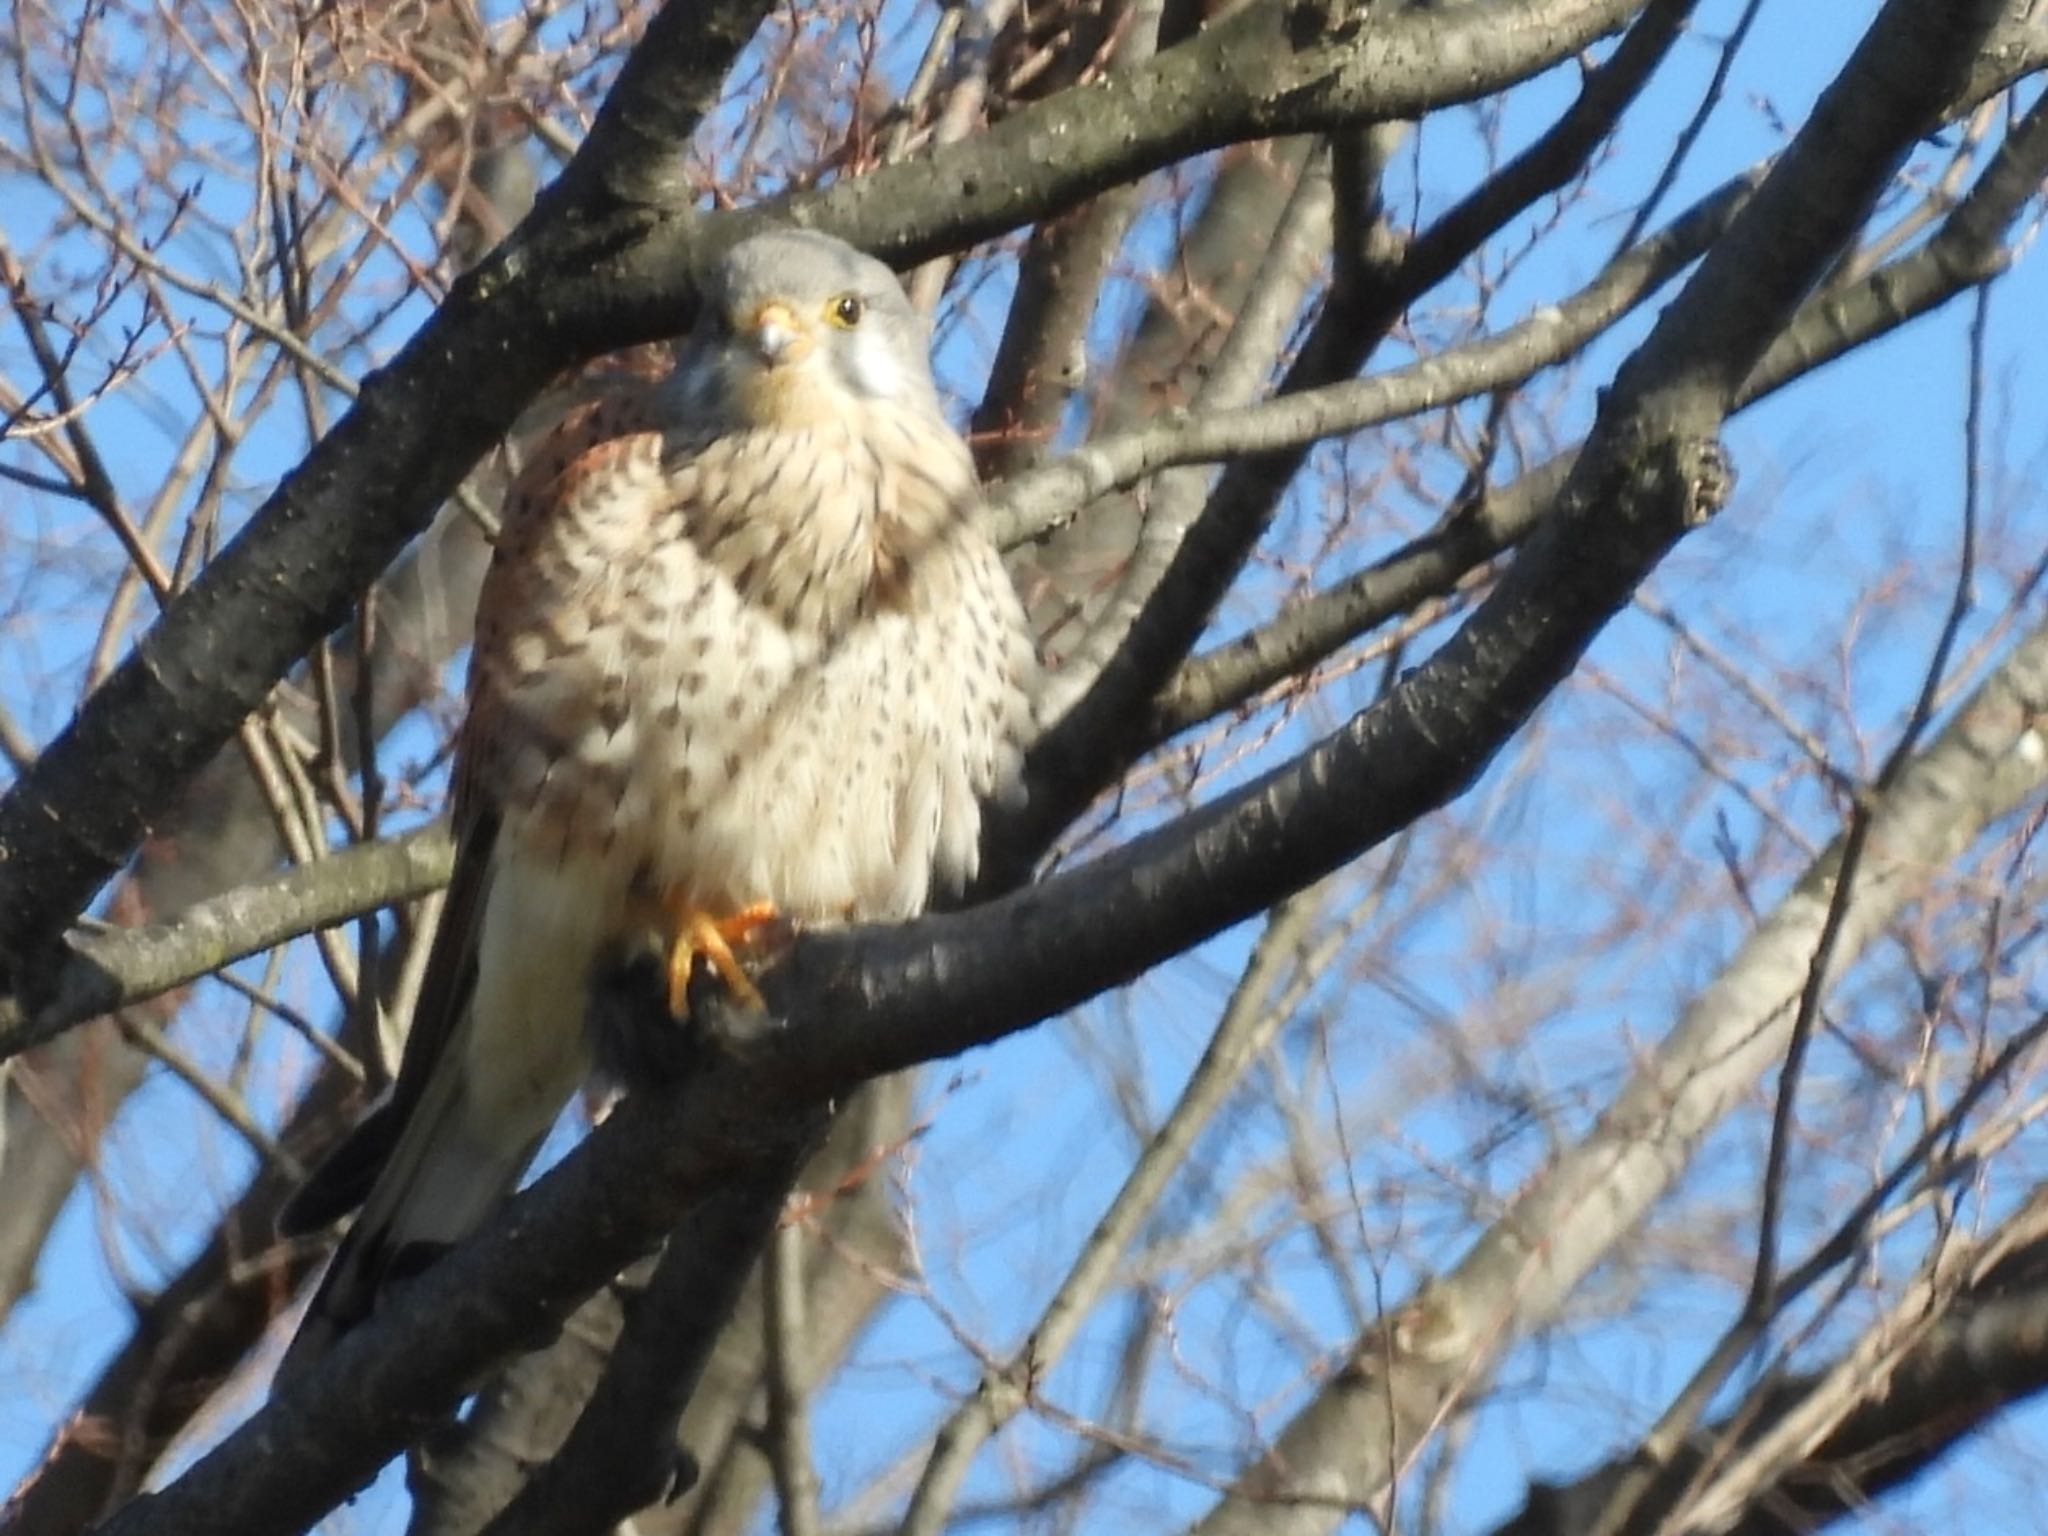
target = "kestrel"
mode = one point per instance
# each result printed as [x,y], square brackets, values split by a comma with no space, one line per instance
[744,649]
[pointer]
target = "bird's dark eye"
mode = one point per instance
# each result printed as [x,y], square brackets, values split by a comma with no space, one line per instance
[846,310]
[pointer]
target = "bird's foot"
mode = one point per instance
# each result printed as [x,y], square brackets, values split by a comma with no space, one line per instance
[641,1037]
[696,932]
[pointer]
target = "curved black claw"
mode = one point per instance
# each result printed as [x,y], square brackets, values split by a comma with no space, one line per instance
[639,1045]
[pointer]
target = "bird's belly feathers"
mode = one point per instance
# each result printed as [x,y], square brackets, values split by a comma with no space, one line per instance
[705,749]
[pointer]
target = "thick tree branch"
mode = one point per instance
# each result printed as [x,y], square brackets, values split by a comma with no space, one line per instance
[622,1452]
[1268,70]
[1096,739]
[1970,248]
[870,1002]
[414,430]
[471,1472]
[596,266]
[1672,393]
[1985,1353]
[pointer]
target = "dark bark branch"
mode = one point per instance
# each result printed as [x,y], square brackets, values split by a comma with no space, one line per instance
[187,1340]
[1102,733]
[460,1478]
[634,153]
[1910,69]
[1268,70]
[600,265]
[1915,61]
[622,1454]
[414,430]
[1988,1353]
[472,1472]
[1970,248]
[873,1001]
[1432,566]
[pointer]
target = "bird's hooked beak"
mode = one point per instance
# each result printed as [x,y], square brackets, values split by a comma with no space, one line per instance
[775,335]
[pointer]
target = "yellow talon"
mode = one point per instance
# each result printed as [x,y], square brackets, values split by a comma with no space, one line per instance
[697,932]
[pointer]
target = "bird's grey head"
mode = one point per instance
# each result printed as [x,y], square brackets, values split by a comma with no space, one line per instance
[797,327]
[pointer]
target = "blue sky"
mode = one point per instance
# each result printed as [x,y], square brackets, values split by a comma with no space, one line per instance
[1848,480]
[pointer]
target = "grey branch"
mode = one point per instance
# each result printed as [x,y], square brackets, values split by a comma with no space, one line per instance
[110,968]
[1250,1020]
[603,262]
[1986,1350]
[1030,505]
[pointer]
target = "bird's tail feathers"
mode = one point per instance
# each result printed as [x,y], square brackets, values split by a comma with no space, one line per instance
[440,1183]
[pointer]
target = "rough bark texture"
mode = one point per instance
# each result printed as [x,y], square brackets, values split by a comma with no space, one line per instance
[612,1329]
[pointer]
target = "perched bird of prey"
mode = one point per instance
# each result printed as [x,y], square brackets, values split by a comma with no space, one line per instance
[744,650]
